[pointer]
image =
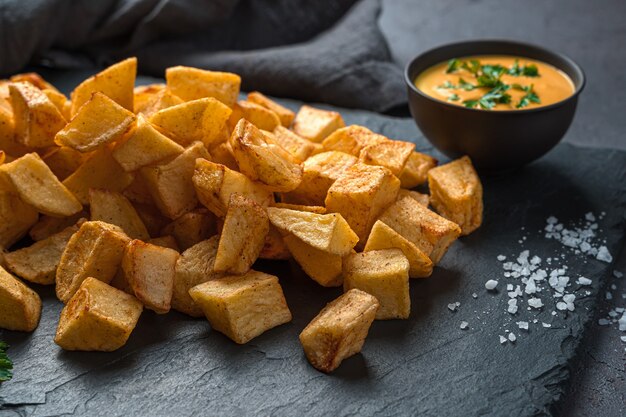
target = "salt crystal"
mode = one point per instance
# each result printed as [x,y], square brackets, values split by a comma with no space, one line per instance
[535,302]
[603,322]
[569,298]
[561,306]
[452,306]
[522,325]
[584,281]
[623,338]
[589,216]
[512,306]
[531,288]
[622,323]
[604,255]
[535,260]
[609,295]
[509,287]
[552,220]
[618,274]
[501,258]
[502,339]
[585,247]
[474,295]
[464,325]
[512,337]
[554,313]
[491,284]
[613,286]
[546,324]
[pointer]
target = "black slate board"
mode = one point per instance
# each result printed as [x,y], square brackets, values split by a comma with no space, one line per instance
[425,365]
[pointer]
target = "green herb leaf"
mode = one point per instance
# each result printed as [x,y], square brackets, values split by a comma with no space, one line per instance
[6,365]
[473,66]
[465,85]
[515,70]
[470,103]
[529,97]
[520,87]
[447,85]
[454,97]
[530,71]
[453,65]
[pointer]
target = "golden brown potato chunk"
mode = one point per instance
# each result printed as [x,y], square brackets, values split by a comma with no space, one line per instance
[97,318]
[16,217]
[47,226]
[243,307]
[361,195]
[223,154]
[415,171]
[113,208]
[243,235]
[322,267]
[38,263]
[94,251]
[384,237]
[116,82]
[423,199]
[259,116]
[37,186]
[33,78]
[391,154]
[352,139]
[191,228]
[383,274]
[316,124]
[264,162]
[193,83]
[149,270]
[301,207]
[36,118]
[63,161]
[457,194]
[339,330]
[297,146]
[20,307]
[431,233]
[153,99]
[319,172]
[286,116]
[166,242]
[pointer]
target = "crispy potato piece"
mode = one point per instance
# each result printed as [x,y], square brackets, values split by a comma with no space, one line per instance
[361,195]
[166,242]
[298,147]
[146,146]
[384,237]
[99,121]
[97,318]
[319,172]
[325,232]
[215,183]
[149,270]
[116,82]
[423,199]
[101,171]
[243,235]
[38,263]
[215,123]
[58,99]
[7,134]
[20,307]
[391,154]
[170,183]
[94,251]
[148,103]
[47,226]
[259,116]
[285,115]
[457,193]
[35,79]
[144,94]
[3,157]
[383,274]
[223,154]
[191,228]
[316,124]
[339,330]
[193,83]
[194,266]
[16,217]
[261,161]
[63,161]
[322,267]
[352,139]
[113,208]
[300,207]
[431,233]
[37,186]
[415,171]
[242,307]
[36,118]
[274,246]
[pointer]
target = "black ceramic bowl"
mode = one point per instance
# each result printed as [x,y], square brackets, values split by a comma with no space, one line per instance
[495,140]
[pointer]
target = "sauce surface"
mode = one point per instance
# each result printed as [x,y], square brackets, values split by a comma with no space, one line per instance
[496,82]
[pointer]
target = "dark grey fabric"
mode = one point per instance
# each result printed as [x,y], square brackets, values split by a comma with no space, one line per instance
[324,50]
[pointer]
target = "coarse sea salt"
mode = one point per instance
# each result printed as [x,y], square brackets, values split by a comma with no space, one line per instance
[584,281]
[464,325]
[522,325]
[452,306]
[535,302]
[491,284]
[512,337]
[503,339]
[546,324]
[618,274]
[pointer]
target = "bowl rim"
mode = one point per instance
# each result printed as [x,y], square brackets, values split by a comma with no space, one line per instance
[504,42]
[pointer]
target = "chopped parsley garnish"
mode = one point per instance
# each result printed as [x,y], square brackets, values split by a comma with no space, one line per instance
[454,97]
[6,366]
[447,85]
[464,85]
[527,70]
[453,65]
[529,97]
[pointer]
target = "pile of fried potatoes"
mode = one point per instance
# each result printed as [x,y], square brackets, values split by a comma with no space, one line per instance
[164,196]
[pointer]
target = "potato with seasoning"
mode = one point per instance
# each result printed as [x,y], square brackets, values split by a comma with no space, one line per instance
[20,307]
[316,124]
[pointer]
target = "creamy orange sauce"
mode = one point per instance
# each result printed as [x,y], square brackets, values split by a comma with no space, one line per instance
[550,86]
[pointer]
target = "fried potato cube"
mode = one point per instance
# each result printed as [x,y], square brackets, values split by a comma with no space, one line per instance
[20,307]
[149,102]
[146,146]
[149,270]
[415,171]
[191,228]
[47,226]
[101,171]
[94,251]
[170,183]
[259,116]
[299,147]
[116,82]
[322,267]
[33,78]
[352,139]
[7,134]
[194,266]
[215,183]
[391,154]
[243,235]
[63,161]
[316,124]
[193,83]
[325,232]
[97,318]
[431,233]
[264,162]
[274,246]
[113,208]
[319,172]
[99,121]
[423,199]
[38,263]
[383,274]
[16,217]
[37,186]
[361,195]
[339,330]
[59,100]
[144,94]
[165,242]
[36,118]
[243,306]
[286,116]
[301,207]
[223,154]
[457,194]
[384,237]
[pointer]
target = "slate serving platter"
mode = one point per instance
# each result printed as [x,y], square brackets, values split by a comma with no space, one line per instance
[426,365]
